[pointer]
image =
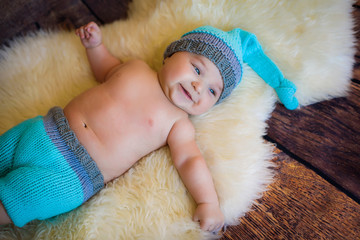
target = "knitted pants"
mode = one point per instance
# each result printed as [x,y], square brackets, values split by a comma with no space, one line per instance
[44,170]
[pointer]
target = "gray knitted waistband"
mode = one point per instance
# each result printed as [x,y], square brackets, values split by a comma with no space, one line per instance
[58,129]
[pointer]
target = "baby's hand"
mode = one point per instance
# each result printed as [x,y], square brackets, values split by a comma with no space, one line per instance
[90,35]
[210,217]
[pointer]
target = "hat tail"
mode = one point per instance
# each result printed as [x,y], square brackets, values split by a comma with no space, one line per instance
[254,56]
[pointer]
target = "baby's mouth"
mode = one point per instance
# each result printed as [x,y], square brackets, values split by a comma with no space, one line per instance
[186,93]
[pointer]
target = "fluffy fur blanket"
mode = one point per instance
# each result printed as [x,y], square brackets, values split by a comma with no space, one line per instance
[310,40]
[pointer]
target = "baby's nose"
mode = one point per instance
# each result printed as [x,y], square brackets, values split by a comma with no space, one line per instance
[198,86]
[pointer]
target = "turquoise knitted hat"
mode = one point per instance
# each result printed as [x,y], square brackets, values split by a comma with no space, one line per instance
[228,51]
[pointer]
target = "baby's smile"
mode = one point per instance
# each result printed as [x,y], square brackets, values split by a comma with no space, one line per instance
[186,93]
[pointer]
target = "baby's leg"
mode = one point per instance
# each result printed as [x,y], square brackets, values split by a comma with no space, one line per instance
[30,193]
[8,145]
[4,217]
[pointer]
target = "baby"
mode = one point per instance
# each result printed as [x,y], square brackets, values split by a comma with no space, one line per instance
[52,164]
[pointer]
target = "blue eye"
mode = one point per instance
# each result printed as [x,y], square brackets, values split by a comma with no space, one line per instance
[197,70]
[212,91]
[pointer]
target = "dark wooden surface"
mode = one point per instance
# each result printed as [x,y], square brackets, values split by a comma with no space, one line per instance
[299,205]
[324,136]
[19,17]
[316,191]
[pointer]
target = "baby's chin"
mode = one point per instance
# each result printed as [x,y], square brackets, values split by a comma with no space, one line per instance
[189,108]
[195,112]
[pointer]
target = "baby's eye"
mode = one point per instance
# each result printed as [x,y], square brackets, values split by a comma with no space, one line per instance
[197,70]
[212,91]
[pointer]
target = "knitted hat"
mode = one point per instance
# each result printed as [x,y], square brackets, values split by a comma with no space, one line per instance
[228,51]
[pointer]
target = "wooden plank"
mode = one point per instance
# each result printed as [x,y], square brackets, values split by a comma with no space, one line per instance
[326,135]
[16,16]
[356,69]
[299,205]
[20,16]
[108,11]
[68,14]
[356,14]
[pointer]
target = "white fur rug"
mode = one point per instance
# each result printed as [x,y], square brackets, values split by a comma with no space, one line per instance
[310,40]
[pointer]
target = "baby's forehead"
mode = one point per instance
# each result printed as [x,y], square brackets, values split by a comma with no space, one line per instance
[211,66]
[213,72]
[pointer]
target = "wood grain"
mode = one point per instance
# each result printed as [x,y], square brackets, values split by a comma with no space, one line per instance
[19,17]
[356,14]
[299,205]
[108,11]
[326,135]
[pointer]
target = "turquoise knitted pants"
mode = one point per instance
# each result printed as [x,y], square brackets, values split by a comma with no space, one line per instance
[44,170]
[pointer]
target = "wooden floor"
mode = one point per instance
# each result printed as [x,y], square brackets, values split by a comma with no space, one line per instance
[316,192]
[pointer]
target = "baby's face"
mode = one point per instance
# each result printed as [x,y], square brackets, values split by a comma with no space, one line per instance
[192,82]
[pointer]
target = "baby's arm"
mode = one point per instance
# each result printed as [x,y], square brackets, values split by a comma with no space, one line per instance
[100,59]
[195,175]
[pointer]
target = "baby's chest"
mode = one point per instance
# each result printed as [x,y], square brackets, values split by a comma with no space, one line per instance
[155,121]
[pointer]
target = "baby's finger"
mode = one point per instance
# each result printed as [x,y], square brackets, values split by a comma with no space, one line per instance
[87,34]
[77,31]
[212,227]
[81,33]
[89,27]
[218,228]
[90,24]
[206,226]
[94,27]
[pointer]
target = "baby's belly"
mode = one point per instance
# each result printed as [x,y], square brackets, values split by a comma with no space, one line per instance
[113,143]
[96,148]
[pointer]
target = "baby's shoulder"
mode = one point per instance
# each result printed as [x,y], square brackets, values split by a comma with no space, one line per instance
[183,126]
[137,65]
[132,69]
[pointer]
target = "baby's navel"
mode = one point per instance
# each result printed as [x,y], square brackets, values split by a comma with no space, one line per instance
[84,124]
